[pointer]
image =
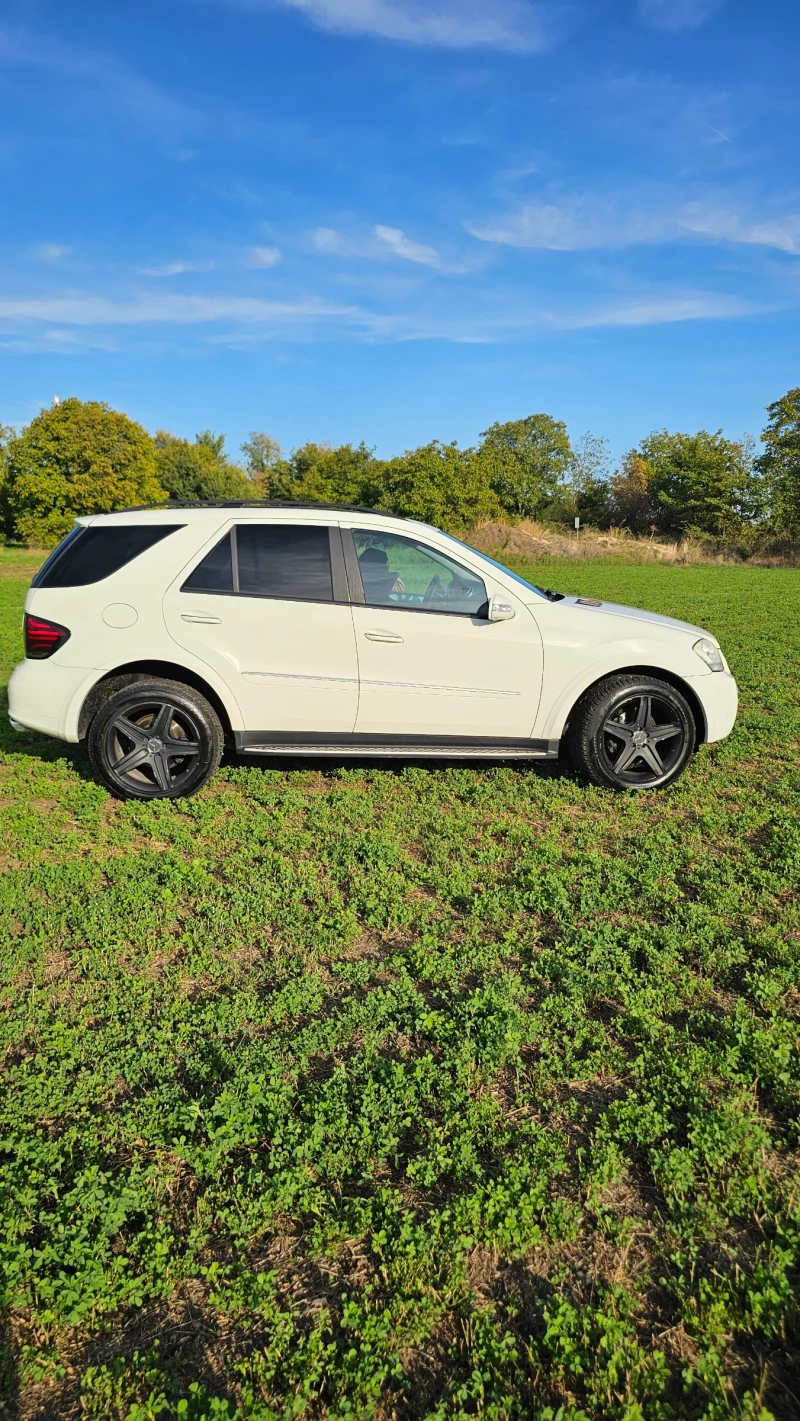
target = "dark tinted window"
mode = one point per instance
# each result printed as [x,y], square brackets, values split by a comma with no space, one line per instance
[279,561]
[56,554]
[90,554]
[215,572]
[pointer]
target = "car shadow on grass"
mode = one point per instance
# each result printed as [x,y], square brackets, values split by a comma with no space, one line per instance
[48,751]
[544,769]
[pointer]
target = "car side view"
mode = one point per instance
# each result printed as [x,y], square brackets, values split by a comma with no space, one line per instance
[160,636]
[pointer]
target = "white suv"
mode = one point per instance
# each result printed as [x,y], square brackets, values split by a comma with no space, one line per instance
[160,635]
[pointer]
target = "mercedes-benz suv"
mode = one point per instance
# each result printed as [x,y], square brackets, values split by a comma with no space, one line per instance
[162,635]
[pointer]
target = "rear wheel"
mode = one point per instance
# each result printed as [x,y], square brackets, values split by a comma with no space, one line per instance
[632,732]
[155,740]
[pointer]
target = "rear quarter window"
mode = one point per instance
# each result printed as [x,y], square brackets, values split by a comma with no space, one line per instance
[91,554]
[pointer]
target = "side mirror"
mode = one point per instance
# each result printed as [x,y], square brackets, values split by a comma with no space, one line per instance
[500,610]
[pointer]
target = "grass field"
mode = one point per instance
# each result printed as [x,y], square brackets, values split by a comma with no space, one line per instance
[410,1092]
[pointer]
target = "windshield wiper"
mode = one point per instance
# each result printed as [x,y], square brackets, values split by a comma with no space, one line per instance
[550,594]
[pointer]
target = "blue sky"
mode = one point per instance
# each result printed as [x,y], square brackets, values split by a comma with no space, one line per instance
[401,219]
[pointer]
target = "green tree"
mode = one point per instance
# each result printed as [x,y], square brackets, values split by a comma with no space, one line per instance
[702,482]
[440,484]
[77,458]
[199,470]
[779,464]
[632,504]
[262,454]
[585,490]
[317,473]
[6,519]
[526,461]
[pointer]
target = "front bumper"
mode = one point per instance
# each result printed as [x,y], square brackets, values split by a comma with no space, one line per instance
[718,695]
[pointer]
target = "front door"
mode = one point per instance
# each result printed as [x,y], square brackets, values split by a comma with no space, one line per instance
[267,609]
[430,663]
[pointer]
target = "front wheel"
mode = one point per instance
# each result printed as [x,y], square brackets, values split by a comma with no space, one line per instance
[632,732]
[155,740]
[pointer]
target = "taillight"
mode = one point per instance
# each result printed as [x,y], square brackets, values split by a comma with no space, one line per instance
[43,638]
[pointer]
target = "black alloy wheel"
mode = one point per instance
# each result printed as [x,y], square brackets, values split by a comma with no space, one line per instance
[155,740]
[633,732]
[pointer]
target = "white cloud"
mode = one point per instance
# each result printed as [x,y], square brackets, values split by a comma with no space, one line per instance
[516,25]
[402,246]
[90,310]
[573,224]
[49,252]
[677,15]
[230,319]
[782,233]
[589,222]
[381,244]
[262,257]
[327,239]
[176,268]
[122,89]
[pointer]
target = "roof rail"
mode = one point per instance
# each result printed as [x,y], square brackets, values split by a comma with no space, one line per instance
[253,503]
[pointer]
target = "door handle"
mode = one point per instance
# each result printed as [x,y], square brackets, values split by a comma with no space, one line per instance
[382,636]
[200,617]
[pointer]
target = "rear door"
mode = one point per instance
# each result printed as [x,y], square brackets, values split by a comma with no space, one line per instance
[431,664]
[267,607]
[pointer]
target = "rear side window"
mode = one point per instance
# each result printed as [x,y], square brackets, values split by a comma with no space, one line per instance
[268,560]
[90,554]
[280,561]
[215,572]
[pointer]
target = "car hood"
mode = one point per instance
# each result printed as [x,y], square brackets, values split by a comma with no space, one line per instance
[633,614]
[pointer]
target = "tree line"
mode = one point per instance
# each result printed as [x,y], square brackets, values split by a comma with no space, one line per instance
[82,457]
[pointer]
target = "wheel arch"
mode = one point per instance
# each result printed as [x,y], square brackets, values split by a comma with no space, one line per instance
[133,671]
[661,674]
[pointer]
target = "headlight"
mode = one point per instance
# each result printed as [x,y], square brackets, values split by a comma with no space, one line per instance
[709,652]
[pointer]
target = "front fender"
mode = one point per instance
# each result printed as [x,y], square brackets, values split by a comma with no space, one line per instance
[628,656]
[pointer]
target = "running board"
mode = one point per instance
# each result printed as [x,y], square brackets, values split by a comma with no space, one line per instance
[408,752]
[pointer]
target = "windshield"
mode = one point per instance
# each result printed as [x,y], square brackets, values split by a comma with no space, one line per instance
[531,586]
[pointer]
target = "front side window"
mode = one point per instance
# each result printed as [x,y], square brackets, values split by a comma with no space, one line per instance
[90,554]
[400,572]
[268,560]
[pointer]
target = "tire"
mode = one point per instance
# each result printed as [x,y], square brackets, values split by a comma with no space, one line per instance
[155,740]
[632,733]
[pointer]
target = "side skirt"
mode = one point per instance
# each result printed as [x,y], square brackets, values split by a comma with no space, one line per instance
[445,747]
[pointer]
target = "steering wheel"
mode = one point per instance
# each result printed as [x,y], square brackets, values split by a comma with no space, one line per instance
[434,586]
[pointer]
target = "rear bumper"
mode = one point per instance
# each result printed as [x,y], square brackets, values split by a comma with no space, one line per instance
[47,697]
[718,695]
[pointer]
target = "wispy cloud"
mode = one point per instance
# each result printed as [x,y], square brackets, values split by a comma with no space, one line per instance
[382,244]
[127,92]
[587,222]
[85,309]
[572,224]
[515,25]
[260,258]
[49,252]
[678,15]
[176,268]
[402,246]
[85,317]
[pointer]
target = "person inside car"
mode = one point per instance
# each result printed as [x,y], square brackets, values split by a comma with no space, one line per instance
[377,577]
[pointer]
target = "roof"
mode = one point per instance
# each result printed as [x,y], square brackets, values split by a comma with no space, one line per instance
[265,503]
